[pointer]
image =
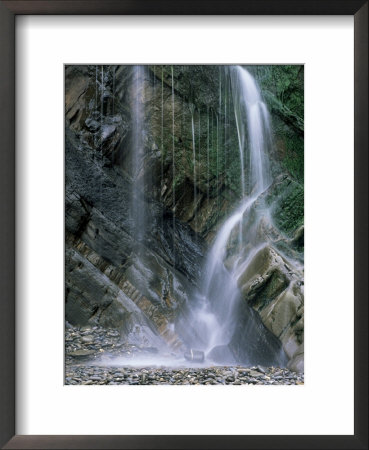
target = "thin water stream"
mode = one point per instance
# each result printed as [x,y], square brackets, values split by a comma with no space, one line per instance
[213,316]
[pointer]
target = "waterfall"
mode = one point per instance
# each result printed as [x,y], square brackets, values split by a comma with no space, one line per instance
[207,156]
[217,165]
[199,128]
[162,142]
[137,152]
[96,108]
[210,321]
[240,136]
[174,171]
[101,106]
[257,119]
[218,134]
[225,125]
[96,87]
[113,90]
[101,131]
[214,317]
[192,108]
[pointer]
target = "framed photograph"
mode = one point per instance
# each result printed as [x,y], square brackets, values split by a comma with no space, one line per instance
[169,171]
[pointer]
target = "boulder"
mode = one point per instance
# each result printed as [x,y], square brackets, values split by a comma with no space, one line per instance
[273,287]
[82,354]
[282,311]
[264,278]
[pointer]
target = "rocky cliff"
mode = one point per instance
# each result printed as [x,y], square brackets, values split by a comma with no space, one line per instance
[137,272]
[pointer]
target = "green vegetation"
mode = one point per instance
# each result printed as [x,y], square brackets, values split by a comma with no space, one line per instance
[283,90]
[203,104]
[205,92]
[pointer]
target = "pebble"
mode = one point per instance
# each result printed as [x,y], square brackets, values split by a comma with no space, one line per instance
[81,353]
[87,339]
[85,348]
[94,374]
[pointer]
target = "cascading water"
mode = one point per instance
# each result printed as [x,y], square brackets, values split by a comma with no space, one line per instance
[173,172]
[192,109]
[137,153]
[217,119]
[258,129]
[214,318]
[162,142]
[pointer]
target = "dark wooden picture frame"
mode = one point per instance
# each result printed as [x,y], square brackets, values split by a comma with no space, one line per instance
[8,11]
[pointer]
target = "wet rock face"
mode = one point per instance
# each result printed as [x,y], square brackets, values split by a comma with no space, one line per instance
[111,279]
[264,278]
[92,299]
[273,287]
[96,211]
[115,280]
[104,260]
[253,343]
[99,104]
[287,198]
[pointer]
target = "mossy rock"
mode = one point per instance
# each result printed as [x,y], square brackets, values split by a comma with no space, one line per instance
[287,199]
